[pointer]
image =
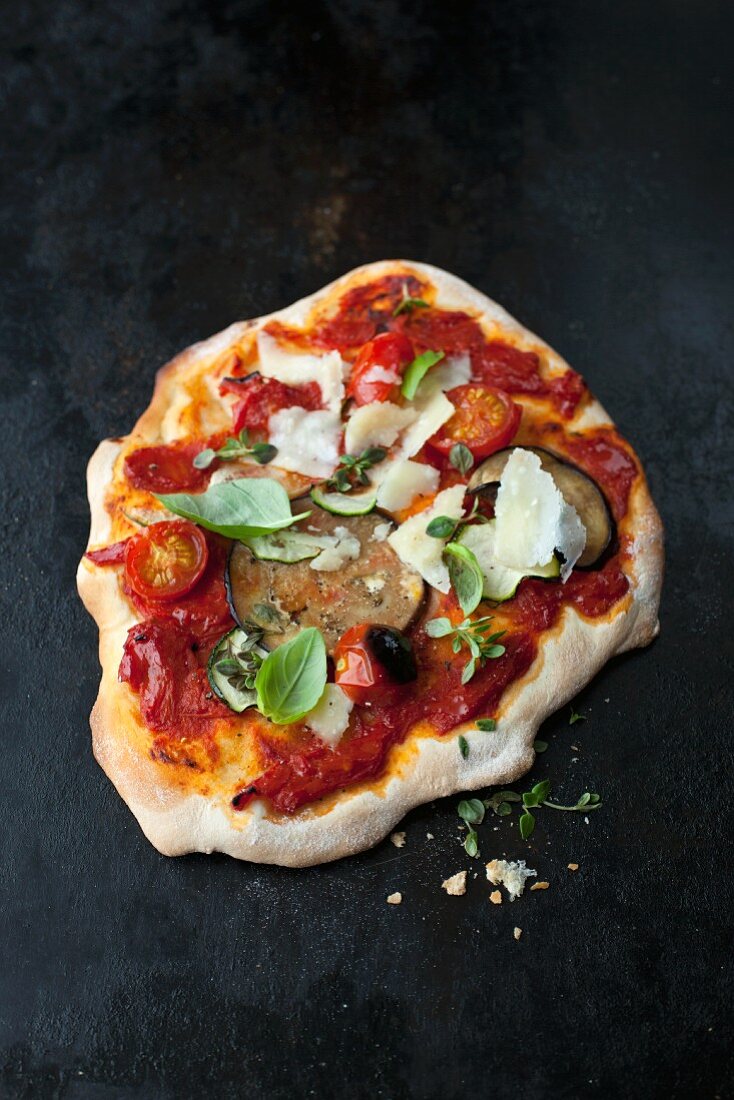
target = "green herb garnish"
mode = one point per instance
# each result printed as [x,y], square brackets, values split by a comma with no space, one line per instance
[408,304]
[233,449]
[416,371]
[486,725]
[461,458]
[352,470]
[467,579]
[473,634]
[537,796]
[240,509]
[463,746]
[445,527]
[575,717]
[292,678]
[471,812]
[540,746]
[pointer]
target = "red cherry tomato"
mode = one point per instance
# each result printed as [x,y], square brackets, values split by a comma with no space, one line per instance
[167,468]
[261,397]
[166,560]
[379,367]
[485,421]
[356,670]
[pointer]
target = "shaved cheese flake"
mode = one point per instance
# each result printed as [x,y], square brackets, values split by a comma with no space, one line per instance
[330,717]
[307,442]
[403,482]
[432,414]
[295,370]
[419,550]
[346,547]
[452,372]
[532,518]
[512,876]
[376,425]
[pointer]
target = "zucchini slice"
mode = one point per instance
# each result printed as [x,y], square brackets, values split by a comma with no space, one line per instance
[233,665]
[500,583]
[287,546]
[344,504]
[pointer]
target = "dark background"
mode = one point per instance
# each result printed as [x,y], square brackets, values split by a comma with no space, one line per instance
[171,167]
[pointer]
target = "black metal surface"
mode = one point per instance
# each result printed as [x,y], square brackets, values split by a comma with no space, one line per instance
[171,167]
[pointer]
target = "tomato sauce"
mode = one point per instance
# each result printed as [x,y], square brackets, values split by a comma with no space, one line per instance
[165,655]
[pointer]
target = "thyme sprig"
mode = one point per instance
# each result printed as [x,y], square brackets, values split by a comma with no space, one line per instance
[233,449]
[352,469]
[472,633]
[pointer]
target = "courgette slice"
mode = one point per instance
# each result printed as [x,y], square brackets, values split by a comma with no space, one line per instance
[233,665]
[288,546]
[500,583]
[344,504]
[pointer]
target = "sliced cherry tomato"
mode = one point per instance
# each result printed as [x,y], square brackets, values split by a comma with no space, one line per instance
[166,560]
[379,367]
[485,421]
[261,397]
[167,468]
[368,656]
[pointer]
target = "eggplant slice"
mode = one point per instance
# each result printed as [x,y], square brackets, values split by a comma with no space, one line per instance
[283,598]
[575,486]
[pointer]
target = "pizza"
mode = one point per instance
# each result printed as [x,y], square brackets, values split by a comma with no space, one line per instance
[348,560]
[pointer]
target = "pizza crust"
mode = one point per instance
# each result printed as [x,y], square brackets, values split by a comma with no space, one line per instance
[178,820]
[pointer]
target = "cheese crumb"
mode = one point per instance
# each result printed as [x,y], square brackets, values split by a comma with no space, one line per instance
[517,932]
[394,899]
[495,897]
[429,836]
[456,885]
[540,886]
[510,875]
[573,866]
[398,839]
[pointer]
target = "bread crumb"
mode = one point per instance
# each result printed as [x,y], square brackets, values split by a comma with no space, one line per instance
[394,899]
[398,839]
[510,875]
[456,885]
[429,836]
[495,897]
[540,886]
[517,932]
[573,866]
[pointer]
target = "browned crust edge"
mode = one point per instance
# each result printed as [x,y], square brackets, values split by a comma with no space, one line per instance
[178,821]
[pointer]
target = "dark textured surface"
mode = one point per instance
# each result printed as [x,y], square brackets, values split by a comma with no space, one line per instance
[170,167]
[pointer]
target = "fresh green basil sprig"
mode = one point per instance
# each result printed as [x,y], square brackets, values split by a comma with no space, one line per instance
[292,678]
[239,509]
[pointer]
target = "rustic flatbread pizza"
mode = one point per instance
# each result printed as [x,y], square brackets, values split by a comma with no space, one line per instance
[348,560]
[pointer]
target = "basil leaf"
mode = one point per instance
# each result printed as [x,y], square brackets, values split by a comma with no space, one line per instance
[292,678]
[239,509]
[438,628]
[416,371]
[466,576]
[461,458]
[442,527]
[486,724]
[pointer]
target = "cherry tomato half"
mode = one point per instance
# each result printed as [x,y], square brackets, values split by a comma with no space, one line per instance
[379,367]
[485,421]
[166,560]
[368,656]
